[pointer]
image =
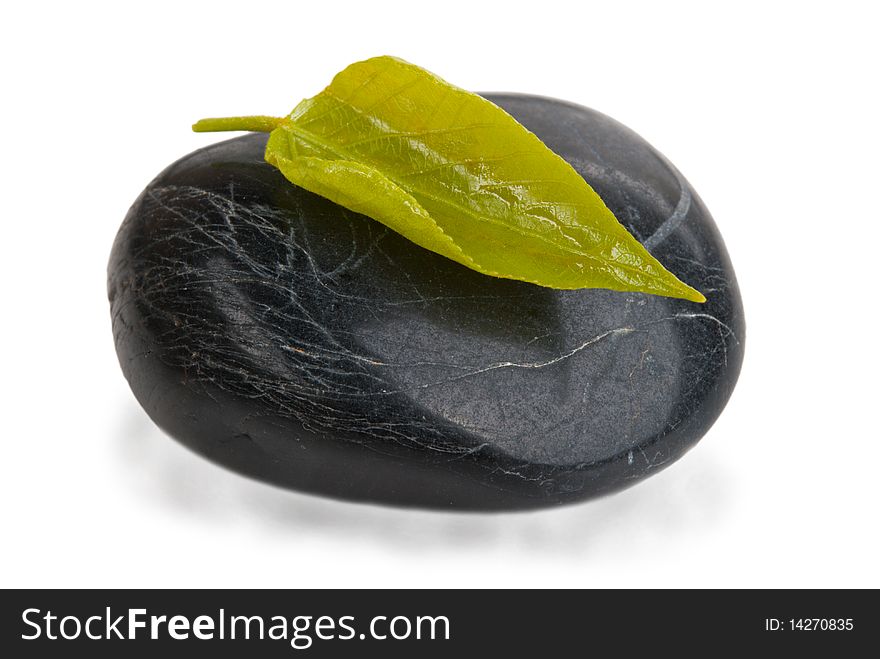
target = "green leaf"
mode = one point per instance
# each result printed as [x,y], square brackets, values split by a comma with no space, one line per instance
[454,173]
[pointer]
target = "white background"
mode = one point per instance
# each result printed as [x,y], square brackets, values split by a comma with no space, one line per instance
[771,111]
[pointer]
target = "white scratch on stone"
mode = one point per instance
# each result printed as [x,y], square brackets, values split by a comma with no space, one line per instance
[550,362]
[709,317]
[677,217]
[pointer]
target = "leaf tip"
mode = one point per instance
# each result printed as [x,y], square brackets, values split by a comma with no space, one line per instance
[692,294]
[257,123]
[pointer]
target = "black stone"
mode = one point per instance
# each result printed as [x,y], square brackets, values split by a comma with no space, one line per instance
[282,336]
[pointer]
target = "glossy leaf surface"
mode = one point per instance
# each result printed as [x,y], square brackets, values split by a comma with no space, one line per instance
[457,175]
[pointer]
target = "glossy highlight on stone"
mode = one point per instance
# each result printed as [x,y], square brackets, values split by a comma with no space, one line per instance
[283,336]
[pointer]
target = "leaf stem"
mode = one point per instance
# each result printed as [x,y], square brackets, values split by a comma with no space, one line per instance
[260,124]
